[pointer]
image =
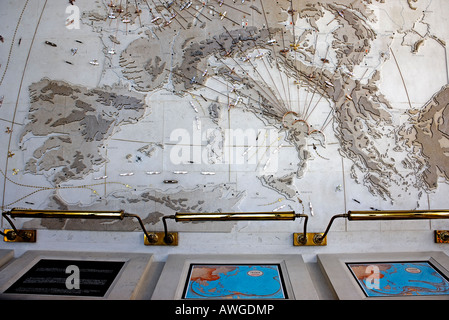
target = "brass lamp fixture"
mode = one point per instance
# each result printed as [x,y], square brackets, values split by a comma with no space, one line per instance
[441,236]
[242,216]
[220,216]
[166,238]
[15,235]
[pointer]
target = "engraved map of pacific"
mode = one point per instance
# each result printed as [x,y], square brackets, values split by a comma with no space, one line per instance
[155,107]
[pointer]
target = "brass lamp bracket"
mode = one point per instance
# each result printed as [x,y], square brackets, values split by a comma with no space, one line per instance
[161,239]
[11,235]
[312,239]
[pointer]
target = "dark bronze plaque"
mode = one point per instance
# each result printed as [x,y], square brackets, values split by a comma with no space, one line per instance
[68,277]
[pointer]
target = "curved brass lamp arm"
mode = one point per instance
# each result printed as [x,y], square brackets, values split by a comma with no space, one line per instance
[320,238]
[131,215]
[10,222]
[167,237]
[13,234]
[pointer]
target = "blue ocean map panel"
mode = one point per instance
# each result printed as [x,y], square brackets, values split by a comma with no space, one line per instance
[232,281]
[384,279]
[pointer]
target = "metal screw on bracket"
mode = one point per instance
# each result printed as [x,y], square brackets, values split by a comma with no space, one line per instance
[169,239]
[11,235]
[152,238]
[318,238]
[444,236]
[302,239]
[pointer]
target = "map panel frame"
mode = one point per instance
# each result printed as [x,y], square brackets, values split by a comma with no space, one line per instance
[131,282]
[346,287]
[297,280]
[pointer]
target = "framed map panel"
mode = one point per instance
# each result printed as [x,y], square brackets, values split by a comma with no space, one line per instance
[38,275]
[235,281]
[422,275]
[389,279]
[235,277]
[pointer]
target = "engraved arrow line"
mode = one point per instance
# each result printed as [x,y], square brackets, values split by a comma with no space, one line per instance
[276,102]
[402,78]
[223,94]
[255,69]
[274,51]
[17,100]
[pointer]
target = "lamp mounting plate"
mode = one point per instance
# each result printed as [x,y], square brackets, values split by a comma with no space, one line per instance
[159,239]
[311,239]
[21,236]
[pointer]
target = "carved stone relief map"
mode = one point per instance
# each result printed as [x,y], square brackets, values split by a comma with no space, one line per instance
[154,107]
